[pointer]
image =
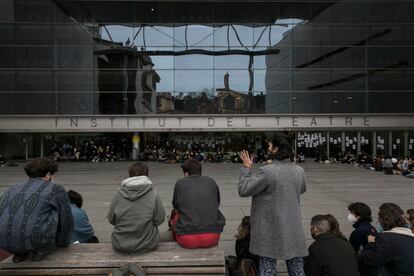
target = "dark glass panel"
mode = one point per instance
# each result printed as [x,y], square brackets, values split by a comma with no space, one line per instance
[389,12]
[76,103]
[34,57]
[391,35]
[390,102]
[391,80]
[276,80]
[34,81]
[311,35]
[313,57]
[366,143]
[347,80]
[7,57]
[398,144]
[7,102]
[390,57]
[74,81]
[7,34]
[349,12]
[348,57]
[382,143]
[72,34]
[7,81]
[34,34]
[6,11]
[351,142]
[349,35]
[279,102]
[74,57]
[34,10]
[308,80]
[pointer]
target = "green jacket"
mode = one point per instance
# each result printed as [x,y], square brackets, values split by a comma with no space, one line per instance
[135,212]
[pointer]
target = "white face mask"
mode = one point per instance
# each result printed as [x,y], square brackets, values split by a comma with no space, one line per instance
[351,218]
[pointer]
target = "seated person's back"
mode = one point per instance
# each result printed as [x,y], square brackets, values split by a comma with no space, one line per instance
[41,208]
[197,200]
[329,255]
[135,212]
[82,230]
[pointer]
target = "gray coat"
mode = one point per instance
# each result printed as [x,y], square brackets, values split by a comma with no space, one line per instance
[276,222]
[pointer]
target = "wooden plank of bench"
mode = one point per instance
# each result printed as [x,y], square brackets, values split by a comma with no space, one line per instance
[104,271]
[167,259]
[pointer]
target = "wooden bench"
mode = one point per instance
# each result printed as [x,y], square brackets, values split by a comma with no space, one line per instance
[98,259]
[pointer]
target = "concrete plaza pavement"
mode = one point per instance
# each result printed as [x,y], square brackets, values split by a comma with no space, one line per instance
[330,188]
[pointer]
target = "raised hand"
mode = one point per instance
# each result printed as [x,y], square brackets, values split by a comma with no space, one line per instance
[247,160]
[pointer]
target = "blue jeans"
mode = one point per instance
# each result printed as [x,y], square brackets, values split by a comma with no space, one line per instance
[267,266]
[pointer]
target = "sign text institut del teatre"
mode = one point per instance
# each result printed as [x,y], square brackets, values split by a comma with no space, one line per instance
[202,123]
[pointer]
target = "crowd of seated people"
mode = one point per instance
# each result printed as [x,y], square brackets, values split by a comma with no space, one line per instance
[196,221]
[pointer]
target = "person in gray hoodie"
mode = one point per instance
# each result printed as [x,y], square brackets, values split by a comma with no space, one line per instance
[135,212]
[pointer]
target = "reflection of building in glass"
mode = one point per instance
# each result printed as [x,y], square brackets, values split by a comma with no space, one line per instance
[229,101]
[165,102]
[126,81]
[335,63]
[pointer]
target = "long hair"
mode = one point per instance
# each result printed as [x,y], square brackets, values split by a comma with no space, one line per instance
[335,229]
[244,229]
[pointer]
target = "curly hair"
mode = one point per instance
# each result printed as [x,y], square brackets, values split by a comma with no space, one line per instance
[390,218]
[40,167]
[244,229]
[75,198]
[361,210]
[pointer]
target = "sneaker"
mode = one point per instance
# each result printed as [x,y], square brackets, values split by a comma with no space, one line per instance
[19,257]
[41,254]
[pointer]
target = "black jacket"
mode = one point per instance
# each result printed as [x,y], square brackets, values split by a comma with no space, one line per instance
[394,250]
[243,251]
[359,237]
[331,256]
[197,200]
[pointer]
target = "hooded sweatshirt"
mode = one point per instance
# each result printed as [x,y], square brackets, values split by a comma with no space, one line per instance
[135,212]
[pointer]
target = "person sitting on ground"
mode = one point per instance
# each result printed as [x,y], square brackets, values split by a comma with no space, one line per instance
[410,217]
[198,222]
[136,212]
[388,166]
[35,215]
[3,161]
[242,247]
[328,254]
[360,217]
[378,163]
[392,251]
[335,229]
[83,230]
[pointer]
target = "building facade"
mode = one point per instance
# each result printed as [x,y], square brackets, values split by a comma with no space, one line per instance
[339,73]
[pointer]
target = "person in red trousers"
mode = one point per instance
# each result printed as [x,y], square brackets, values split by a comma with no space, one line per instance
[197,221]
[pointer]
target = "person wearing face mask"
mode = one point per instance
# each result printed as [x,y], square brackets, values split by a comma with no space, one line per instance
[360,218]
[329,255]
[276,221]
[35,215]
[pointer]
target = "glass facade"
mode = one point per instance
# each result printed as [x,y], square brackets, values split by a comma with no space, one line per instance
[130,57]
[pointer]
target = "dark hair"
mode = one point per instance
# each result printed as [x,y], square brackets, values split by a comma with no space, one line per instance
[321,222]
[75,198]
[40,167]
[335,229]
[138,169]
[390,218]
[192,167]
[361,210]
[244,229]
[390,205]
[284,143]
[410,213]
